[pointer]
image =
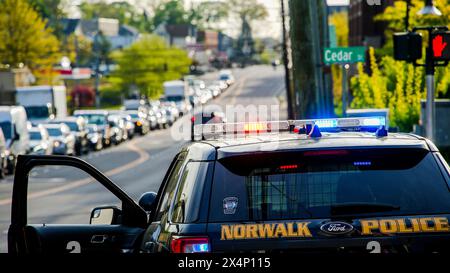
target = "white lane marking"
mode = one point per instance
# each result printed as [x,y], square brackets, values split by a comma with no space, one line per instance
[143,157]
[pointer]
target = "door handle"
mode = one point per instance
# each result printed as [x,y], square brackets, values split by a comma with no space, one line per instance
[99,239]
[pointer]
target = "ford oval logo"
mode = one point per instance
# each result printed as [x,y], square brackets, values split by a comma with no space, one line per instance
[336,228]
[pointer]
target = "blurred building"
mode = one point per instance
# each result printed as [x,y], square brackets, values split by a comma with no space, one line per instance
[209,39]
[10,79]
[119,36]
[180,35]
[363,29]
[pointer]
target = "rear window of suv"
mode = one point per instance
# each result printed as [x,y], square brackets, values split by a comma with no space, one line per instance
[303,185]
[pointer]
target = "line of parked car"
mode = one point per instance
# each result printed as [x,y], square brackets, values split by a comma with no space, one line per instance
[94,130]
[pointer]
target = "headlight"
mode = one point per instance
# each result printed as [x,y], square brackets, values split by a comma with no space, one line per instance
[57,144]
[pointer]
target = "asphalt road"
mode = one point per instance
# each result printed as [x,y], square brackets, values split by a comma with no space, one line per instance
[62,195]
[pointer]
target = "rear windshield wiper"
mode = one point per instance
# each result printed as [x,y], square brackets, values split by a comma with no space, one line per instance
[360,208]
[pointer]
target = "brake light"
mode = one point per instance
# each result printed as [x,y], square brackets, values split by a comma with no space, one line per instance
[288,167]
[190,245]
[193,119]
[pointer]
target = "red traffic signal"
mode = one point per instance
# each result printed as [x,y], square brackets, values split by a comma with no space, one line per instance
[441,46]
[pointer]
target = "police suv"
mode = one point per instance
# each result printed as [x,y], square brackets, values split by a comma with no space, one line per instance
[335,185]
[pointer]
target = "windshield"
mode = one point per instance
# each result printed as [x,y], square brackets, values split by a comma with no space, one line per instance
[92,129]
[35,136]
[7,129]
[288,186]
[175,98]
[95,119]
[37,111]
[54,132]
[73,126]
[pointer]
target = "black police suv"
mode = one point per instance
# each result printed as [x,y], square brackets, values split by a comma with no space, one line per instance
[324,186]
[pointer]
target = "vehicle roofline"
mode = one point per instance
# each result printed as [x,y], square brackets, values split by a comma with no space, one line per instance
[218,141]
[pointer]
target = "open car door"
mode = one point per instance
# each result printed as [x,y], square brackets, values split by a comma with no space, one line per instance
[120,230]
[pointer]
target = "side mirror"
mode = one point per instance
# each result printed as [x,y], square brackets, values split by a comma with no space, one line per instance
[148,201]
[109,215]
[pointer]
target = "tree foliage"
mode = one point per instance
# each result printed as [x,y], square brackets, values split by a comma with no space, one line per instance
[147,64]
[249,10]
[205,14]
[393,84]
[53,12]
[394,16]
[398,85]
[170,12]
[25,38]
[120,10]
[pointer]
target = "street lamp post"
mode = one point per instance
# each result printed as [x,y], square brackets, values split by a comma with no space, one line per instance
[408,8]
[430,114]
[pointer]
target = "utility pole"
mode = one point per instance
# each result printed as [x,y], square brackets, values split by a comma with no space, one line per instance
[307,45]
[286,64]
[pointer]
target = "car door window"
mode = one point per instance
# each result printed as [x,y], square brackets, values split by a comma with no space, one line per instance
[169,191]
[49,202]
[186,205]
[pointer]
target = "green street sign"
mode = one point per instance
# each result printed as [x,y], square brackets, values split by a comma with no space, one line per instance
[344,55]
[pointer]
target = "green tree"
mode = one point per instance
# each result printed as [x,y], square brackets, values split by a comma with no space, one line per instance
[78,49]
[398,85]
[25,38]
[146,65]
[247,12]
[393,84]
[170,12]
[204,14]
[121,10]
[53,12]
[394,17]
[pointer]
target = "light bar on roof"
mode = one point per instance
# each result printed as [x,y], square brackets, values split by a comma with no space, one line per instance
[216,129]
[241,128]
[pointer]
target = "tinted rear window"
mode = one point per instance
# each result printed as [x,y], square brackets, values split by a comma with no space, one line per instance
[278,186]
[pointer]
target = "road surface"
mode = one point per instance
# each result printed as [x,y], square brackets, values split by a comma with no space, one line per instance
[61,195]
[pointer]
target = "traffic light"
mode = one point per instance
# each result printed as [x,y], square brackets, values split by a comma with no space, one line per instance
[441,46]
[407,46]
